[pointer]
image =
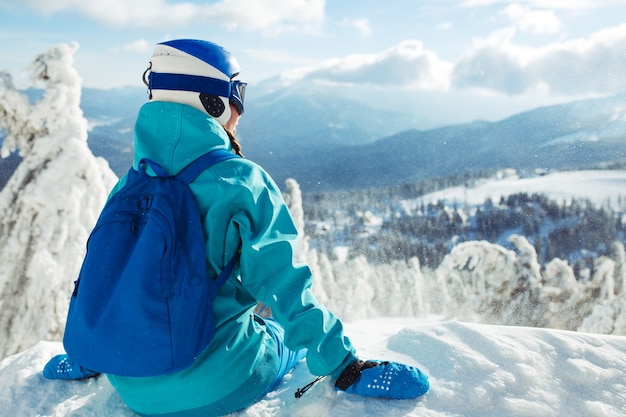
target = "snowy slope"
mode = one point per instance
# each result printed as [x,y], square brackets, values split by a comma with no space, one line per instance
[475,370]
[599,187]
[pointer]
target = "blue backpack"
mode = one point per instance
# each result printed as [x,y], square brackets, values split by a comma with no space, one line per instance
[142,304]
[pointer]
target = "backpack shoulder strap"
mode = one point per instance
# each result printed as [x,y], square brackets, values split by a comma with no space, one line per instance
[195,168]
[228,270]
[190,173]
[158,169]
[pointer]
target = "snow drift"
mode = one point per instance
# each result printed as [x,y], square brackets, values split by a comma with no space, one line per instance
[475,370]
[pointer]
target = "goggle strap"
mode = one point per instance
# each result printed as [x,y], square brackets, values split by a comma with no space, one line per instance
[186,82]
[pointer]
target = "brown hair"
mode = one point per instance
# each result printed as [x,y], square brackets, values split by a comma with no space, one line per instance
[234,143]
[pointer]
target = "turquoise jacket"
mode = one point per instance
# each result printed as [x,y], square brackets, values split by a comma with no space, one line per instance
[240,205]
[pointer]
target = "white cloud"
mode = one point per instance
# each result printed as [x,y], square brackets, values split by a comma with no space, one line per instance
[532,21]
[407,64]
[493,64]
[361,25]
[594,65]
[543,4]
[271,16]
[567,4]
[581,67]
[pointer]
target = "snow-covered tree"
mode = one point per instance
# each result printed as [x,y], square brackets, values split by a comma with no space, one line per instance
[293,199]
[49,205]
[477,281]
[609,315]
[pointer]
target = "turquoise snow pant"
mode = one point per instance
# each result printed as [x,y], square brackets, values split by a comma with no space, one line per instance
[288,358]
[244,397]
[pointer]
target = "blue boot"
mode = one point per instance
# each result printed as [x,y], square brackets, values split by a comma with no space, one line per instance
[62,367]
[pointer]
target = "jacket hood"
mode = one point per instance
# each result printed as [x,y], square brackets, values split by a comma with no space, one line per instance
[175,134]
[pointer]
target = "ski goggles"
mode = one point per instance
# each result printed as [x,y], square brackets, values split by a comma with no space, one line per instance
[237,93]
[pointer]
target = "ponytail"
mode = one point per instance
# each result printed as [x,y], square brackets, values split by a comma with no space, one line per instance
[234,143]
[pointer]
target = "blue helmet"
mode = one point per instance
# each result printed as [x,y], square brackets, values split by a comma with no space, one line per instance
[197,73]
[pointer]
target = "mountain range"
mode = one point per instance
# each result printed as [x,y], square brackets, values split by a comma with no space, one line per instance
[330,143]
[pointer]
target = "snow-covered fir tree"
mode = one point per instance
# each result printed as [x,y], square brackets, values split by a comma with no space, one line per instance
[49,205]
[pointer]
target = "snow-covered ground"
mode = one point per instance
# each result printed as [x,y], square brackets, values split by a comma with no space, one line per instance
[475,370]
[600,187]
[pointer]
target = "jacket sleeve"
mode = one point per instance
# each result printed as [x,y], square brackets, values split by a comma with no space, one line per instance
[269,238]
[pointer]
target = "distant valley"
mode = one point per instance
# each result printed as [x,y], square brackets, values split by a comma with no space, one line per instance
[337,144]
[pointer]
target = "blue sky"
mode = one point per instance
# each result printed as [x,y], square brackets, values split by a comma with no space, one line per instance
[525,52]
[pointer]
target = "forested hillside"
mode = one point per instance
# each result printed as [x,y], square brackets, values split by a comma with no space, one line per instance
[382,226]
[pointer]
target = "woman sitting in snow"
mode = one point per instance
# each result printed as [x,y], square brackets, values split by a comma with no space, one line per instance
[241,207]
